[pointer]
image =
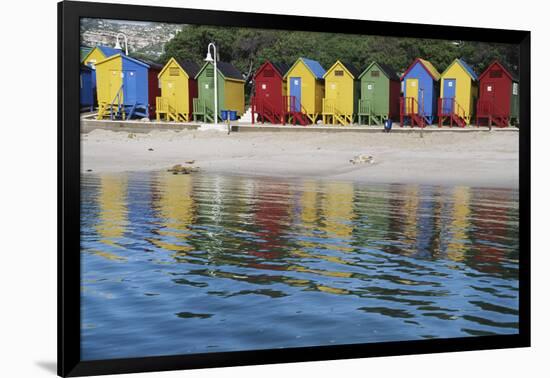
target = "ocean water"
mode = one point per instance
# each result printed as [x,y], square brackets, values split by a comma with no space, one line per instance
[177,264]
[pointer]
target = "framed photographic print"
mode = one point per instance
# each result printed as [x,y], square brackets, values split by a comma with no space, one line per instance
[239,188]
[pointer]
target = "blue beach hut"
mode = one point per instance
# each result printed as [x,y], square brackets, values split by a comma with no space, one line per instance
[86,88]
[122,87]
[420,94]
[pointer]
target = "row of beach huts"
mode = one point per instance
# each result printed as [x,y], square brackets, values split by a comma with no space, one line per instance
[123,87]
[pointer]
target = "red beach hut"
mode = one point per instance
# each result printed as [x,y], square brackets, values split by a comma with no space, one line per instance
[498,102]
[269,91]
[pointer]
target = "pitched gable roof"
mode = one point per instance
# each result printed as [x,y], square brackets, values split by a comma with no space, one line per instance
[432,71]
[352,69]
[190,67]
[281,67]
[354,72]
[226,69]
[84,51]
[504,68]
[229,71]
[109,51]
[387,70]
[137,61]
[315,67]
[312,65]
[151,64]
[469,70]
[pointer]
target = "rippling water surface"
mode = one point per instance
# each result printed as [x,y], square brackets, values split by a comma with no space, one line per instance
[176,264]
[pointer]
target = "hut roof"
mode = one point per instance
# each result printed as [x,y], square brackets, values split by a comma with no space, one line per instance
[134,60]
[282,68]
[151,64]
[389,71]
[507,71]
[229,71]
[432,71]
[469,70]
[352,70]
[190,67]
[109,51]
[315,67]
[105,50]
[226,69]
[386,69]
[84,51]
[312,65]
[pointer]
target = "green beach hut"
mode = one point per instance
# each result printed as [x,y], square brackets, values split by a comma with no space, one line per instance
[230,91]
[379,97]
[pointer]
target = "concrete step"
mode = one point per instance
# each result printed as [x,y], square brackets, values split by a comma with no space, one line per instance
[247,116]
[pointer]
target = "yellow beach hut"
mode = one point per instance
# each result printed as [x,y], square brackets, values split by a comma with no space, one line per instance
[305,91]
[93,56]
[341,94]
[458,94]
[178,88]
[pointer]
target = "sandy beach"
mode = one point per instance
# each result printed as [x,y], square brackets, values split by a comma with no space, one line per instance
[482,159]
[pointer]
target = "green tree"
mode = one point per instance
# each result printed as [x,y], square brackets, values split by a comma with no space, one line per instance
[248,48]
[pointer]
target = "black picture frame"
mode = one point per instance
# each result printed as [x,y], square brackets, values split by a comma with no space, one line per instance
[69,361]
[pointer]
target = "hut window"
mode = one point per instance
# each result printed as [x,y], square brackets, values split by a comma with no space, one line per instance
[268,72]
[339,73]
[515,89]
[174,71]
[375,73]
[495,73]
[209,72]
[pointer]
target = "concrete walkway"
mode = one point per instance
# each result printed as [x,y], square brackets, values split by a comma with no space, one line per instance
[88,124]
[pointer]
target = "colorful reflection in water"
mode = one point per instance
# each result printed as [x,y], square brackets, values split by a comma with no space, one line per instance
[198,263]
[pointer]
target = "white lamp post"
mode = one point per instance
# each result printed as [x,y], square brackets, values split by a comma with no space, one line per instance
[117,46]
[209,59]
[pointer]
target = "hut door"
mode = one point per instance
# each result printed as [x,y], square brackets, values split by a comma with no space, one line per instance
[263,91]
[488,96]
[449,93]
[129,80]
[296,92]
[114,85]
[411,91]
[207,90]
[171,94]
[368,91]
[489,91]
